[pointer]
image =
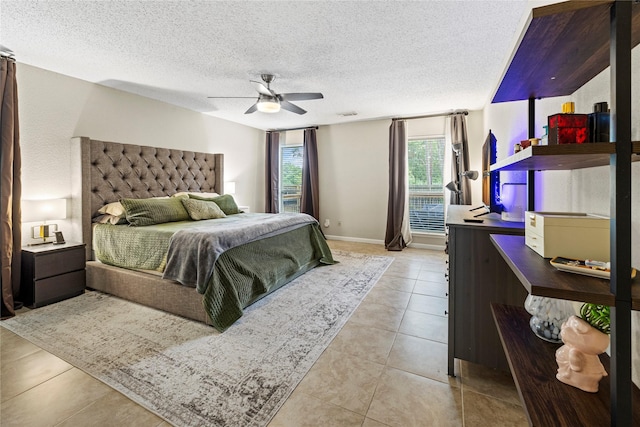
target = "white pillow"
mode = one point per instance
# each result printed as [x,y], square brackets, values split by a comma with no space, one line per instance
[196,193]
[115,209]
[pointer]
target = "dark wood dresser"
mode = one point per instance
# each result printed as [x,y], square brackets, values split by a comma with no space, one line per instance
[52,273]
[478,276]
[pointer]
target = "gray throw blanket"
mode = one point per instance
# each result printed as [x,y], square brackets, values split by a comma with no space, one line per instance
[194,251]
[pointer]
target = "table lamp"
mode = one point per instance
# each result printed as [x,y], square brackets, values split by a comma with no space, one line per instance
[43,211]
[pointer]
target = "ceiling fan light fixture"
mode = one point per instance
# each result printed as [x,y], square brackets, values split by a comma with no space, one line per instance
[268,104]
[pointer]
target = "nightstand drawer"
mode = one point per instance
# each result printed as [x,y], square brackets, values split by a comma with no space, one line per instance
[57,288]
[57,262]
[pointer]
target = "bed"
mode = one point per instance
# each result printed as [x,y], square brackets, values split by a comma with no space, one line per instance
[109,172]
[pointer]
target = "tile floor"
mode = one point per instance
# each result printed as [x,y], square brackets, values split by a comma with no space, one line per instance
[387,367]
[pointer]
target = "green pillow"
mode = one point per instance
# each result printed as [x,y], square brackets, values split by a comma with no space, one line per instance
[154,211]
[200,209]
[226,203]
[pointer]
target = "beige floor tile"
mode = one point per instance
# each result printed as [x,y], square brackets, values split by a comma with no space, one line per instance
[343,380]
[22,374]
[403,284]
[405,400]
[479,408]
[53,401]
[403,271]
[370,344]
[432,276]
[368,422]
[113,409]
[378,316]
[302,410]
[428,304]
[388,297]
[488,381]
[13,347]
[427,326]
[436,289]
[421,357]
[435,266]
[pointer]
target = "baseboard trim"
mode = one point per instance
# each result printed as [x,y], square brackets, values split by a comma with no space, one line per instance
[355,239]
[381,242]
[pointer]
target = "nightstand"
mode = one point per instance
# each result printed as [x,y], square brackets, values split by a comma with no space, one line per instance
[51,273]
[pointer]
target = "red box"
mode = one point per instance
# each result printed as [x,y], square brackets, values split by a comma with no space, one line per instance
[568,129]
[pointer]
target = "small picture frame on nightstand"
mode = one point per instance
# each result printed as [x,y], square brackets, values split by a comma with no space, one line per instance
[59,238]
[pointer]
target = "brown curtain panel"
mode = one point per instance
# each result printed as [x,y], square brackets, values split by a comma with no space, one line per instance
[310,195]
[460,160]
[10,188]
[272,168]
[393,239]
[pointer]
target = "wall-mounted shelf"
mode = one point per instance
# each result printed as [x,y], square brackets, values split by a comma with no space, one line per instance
[562,47]
[547,401]
[562,157]
[554,56]
[540,278]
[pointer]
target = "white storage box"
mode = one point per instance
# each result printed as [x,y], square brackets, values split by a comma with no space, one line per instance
[568,234]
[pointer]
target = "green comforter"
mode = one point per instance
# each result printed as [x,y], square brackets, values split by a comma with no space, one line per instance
[240,276]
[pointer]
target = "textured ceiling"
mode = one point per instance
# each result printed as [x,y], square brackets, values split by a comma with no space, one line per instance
[375,58]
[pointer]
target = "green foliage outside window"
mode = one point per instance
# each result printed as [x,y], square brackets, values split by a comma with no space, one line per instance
[291,172]
[426,162]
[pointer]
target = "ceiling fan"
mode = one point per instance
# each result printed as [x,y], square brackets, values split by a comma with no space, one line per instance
[270,102]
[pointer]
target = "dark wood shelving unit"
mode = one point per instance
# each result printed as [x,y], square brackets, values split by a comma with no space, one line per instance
[562,157]
[556,57]
[547,401]
[562,47]
[540,278]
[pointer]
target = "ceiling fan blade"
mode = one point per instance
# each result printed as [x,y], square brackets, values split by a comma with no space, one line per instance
[299,96]
[292,107]
[231,97]
[252,109]
[261,88]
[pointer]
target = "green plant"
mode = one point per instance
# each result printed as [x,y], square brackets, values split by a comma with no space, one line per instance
[598,316]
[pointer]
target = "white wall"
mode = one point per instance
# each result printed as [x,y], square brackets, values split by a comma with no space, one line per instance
[53,108]
[354,174]
[582,190]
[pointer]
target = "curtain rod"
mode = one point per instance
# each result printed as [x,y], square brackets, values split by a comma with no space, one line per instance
[286,130]
[451,113]
[6,52]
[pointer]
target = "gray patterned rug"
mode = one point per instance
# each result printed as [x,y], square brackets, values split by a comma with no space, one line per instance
[187,372]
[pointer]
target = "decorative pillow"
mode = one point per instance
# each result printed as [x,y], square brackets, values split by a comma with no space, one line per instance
[142,212]
[226,203]
[200,209]
[111,219]
[115,209]
[186,193]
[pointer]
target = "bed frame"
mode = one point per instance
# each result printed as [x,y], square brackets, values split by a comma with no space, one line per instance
[110,171]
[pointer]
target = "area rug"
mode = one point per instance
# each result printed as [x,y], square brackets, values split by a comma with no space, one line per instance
[187,372]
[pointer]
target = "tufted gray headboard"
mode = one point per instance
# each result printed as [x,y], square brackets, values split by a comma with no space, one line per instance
[111,171]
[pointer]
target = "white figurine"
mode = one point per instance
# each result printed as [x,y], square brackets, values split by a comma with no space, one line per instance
[578,362]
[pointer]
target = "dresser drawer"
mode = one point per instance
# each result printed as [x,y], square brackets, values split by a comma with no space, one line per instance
[57,262]
[57,288]
[535,242]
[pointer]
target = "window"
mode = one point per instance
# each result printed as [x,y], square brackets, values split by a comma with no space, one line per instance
[426,188]
[290,178]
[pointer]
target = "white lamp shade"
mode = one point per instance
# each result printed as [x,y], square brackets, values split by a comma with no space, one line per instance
[43,210]
[268,106]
